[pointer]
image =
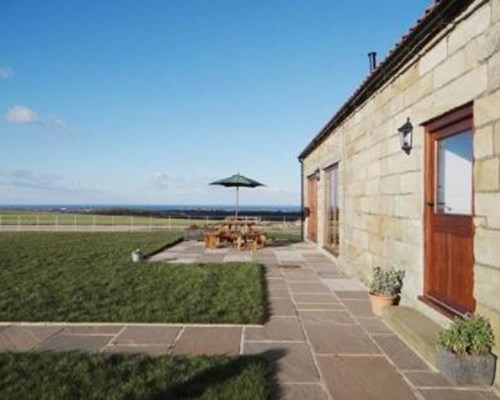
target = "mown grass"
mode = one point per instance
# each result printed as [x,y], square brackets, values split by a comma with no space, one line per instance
[90,277]
[112,376]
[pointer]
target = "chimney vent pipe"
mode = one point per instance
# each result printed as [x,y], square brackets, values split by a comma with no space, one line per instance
[372,56]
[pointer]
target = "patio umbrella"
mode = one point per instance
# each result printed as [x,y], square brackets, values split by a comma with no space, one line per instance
[237,181]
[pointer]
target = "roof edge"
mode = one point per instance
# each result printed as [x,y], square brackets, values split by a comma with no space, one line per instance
[434,20]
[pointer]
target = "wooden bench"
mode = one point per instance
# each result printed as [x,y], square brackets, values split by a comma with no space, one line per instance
[240,234]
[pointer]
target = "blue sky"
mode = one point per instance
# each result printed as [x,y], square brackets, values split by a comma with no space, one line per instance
[148,101]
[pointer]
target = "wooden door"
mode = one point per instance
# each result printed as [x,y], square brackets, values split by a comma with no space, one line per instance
[312,204]
[449,232]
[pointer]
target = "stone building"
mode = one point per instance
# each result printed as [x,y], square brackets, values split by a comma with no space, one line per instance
[432,209]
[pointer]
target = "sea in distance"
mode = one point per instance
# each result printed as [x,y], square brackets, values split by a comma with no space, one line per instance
[160,210]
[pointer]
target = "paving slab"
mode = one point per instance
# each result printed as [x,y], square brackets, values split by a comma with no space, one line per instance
[344,285]
[92,330]
[340,339]
[352,294]
[331,274]
[209,341]
[277,329]
[374,326]
[399,353]
[276,283]
[363,378]
[315,298]
[301,391]
[147,335]
[243,257]
[304,287]
[300,275]
[282,307]
[456,394]
[319,306]
[24,338]
[326,318]
[359,308]
[271,272]
[426,379]
[290,362]
[90,343]
[278,293]
[153,351]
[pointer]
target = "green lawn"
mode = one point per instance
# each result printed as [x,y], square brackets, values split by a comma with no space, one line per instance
[105,376]
[90,277]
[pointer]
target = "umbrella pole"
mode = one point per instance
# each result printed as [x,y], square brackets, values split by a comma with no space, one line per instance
[237,200]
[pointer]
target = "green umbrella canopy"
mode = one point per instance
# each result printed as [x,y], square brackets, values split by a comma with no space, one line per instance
[237,181]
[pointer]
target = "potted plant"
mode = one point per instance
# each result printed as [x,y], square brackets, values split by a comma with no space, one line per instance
[137,255]
[385,287]
[464,351]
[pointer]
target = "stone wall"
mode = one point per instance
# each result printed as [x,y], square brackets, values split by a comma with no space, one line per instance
[381,187]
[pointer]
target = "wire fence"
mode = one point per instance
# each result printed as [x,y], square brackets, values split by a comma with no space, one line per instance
[46,221]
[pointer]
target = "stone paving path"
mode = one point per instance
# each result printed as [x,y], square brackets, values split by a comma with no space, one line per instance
[322,339]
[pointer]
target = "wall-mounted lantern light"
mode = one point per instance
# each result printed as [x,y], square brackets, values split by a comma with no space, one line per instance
[405,135]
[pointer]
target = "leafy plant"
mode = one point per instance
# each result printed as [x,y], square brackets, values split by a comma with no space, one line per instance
[387,282]
[470,335]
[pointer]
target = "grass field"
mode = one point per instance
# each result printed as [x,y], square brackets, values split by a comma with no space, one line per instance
[49,218]
[90,277]
[103,376]
[53,220]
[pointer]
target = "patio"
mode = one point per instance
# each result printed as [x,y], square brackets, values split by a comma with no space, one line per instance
[321,337]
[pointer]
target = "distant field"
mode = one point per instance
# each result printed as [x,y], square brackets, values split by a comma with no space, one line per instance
[36,218]
[51,220]
[90,277]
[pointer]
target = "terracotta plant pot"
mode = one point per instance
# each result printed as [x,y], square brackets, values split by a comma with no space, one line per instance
[380,301]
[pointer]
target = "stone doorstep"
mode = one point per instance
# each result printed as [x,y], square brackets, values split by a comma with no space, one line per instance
[415,329]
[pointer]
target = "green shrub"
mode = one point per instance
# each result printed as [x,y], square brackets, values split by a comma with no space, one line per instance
[387,282]
[470,335]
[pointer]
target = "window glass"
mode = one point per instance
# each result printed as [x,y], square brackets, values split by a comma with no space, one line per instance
[332,210]
[454,174]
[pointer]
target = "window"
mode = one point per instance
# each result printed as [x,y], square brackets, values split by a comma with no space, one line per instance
[454,172]
[332,210]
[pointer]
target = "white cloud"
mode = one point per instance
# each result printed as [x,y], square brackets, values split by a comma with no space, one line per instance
[41,182]
[21,115]
[55,121]
[5,72]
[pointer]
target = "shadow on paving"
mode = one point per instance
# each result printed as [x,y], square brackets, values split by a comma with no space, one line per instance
[200,383]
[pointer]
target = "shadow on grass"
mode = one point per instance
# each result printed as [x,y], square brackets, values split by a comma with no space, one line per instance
[196,386]
[162,248]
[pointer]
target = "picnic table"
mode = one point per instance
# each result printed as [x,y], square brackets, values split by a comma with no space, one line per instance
[238,232]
